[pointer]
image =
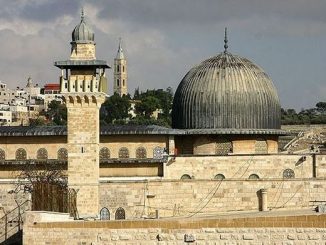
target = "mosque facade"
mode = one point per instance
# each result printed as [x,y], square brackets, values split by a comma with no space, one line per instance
[220,155]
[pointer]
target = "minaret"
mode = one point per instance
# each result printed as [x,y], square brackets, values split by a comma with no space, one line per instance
[120,72]
[83,86]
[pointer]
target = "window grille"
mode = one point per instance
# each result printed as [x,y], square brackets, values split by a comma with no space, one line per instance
[223,147]
[104,214]
[158,152]
[186,176]
[62,154]
[21,154]
[288,174]
[253,176]
[42,154]
[104,154]
[123,152]
[2,155]
[120,214]
[219,177]
[141,152]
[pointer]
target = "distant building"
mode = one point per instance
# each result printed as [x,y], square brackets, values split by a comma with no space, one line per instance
[51,92]
[120,73]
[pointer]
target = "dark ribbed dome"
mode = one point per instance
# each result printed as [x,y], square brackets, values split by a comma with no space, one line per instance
[82,33]
[223,92]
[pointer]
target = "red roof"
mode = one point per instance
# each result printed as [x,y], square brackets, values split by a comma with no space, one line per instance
[52,86]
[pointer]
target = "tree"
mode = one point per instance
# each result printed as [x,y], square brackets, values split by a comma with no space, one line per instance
[40,121]
[57,113]
[115,109]
[136,94]
[321,107]
[147,106]
[36,173]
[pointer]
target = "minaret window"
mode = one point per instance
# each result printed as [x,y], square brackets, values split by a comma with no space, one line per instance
[123,68]
[123,82]
[118,68]
[118,82]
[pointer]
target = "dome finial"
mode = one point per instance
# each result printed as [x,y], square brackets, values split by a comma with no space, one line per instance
[82,14]
[225,40]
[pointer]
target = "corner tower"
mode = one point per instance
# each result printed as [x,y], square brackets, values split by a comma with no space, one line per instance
[120,72]
[83,85]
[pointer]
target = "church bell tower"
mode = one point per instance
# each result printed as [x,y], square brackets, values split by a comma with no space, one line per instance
[83,85]
[120,72]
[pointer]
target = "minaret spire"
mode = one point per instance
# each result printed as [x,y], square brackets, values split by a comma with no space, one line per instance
[120,54]
[225,40]
[82,14]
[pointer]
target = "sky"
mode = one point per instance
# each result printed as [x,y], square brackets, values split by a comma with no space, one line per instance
[163,40]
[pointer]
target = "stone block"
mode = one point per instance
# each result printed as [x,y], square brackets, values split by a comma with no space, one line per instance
[224,236]
[312,236]
[301,236]
[189,238]
[248,236]
[291,237]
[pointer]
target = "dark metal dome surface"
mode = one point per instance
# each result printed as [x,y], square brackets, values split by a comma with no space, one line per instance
[82,33]
[226,92]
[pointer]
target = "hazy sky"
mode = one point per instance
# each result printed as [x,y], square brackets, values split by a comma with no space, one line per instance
[163,39]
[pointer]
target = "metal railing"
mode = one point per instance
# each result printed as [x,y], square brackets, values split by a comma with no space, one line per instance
[11,223]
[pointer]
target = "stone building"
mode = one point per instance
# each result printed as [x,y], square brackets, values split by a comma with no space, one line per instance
[220,156]
[120,72]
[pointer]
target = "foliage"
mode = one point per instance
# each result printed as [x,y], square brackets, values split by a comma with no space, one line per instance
[40,121]
[152,100]
[315,115]
[57,113]
[147,106]
[34,173]
[115,109]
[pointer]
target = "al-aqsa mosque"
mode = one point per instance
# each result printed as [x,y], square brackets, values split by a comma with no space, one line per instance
[220,156]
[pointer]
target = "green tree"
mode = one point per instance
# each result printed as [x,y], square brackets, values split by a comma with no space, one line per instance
[147,106]
[40,121]
[115,109]
[321,107]
[57,113]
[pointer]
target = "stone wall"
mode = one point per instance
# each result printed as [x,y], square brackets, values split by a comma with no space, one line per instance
[301,229]
[242,166]
[7,198]
[175,198]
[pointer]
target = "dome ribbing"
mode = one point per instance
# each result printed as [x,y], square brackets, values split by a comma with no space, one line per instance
[224,92]
[82,33]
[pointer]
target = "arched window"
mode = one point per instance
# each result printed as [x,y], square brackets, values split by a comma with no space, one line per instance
[223,147]
[219,177]
[104,154]
[42,154]
[141,152]
[104,214]
[118,68]
[120,214]
[2,155]
[123,83]
[118,82]
[21,154]
[62,154]
[261,146]
[123,152]
[253,177]
[288,174]
[158,152]
[186,176]
[123,68]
